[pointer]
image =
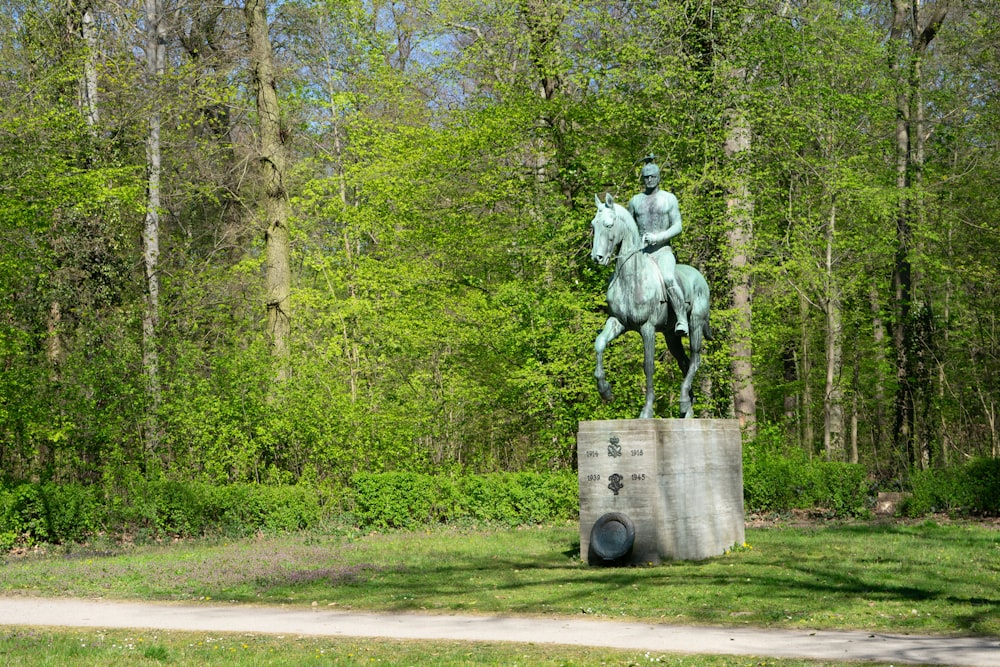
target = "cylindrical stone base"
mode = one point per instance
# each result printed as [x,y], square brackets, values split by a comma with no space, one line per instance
[679,481]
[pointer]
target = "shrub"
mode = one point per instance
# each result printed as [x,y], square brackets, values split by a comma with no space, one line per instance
[74,511]
[770,483]
[775,480]
[841,488]
[403,500]
[400,499]
[182,509]
[770,477]
[194,508]
[983,479]
[56,513]
[973,488]
[34,512]
[286,508]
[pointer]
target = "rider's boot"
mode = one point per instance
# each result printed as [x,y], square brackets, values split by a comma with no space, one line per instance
[680,309]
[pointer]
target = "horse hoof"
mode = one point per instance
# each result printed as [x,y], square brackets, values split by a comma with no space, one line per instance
[604,389]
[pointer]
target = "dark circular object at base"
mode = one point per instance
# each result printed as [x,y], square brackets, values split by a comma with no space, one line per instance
[611,538]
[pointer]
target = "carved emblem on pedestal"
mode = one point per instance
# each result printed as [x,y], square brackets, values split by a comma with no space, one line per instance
[616,483]
[614,448]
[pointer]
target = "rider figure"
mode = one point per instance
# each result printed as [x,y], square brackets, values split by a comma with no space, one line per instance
[659,219]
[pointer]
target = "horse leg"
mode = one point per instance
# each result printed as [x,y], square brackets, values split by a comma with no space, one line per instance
[612,329]
[676,346]
[648,332]
[694,341]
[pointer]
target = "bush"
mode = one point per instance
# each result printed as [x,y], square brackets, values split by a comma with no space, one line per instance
[982,477]
[57,513]
[770,483]
[192,508]
[400,499]
[519,498]
[770,477]
[841,488]
[33,512]
[286,508]
[973,488]
[777,481]
[406,500]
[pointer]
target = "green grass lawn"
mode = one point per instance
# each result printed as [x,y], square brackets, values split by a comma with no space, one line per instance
[34,647]
[925,578]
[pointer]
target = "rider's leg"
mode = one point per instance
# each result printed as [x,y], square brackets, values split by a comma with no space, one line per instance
[680,309]
[666,262]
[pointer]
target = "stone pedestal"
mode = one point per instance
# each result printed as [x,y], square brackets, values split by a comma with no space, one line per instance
[676,484]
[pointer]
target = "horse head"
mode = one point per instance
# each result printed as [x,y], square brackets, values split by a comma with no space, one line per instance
[606,230]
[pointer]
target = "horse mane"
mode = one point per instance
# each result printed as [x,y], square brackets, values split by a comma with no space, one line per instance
[622,214]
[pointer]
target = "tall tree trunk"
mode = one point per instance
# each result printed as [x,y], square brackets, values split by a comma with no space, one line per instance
[791,408]
[805,371]
[901,275]
[944,431]
[88,82]
[878,345]
[79,26]
[833,395]
[739,209]
[278,277]
[914,26]
[156,45]
[856,389]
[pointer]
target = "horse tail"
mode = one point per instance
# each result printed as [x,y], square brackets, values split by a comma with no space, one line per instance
[706,331]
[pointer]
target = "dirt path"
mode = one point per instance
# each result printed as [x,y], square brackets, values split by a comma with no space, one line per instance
[825,645]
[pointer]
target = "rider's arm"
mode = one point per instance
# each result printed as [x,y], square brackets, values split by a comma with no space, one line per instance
[674,218]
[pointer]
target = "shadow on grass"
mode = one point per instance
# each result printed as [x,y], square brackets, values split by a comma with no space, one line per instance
[872,575]
[784,580]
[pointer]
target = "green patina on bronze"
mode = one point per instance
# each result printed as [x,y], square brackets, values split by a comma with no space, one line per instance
[649,292]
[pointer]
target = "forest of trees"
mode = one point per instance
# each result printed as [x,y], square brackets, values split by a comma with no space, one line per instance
[293,240]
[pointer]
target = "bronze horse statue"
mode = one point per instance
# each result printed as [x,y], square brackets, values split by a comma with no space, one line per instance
[637,301]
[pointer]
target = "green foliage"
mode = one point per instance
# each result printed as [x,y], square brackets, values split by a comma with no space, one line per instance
[519,498]
[407,500]
[769,475]
[840,488]
[400,499]
[973,488]
[49,512]
[58,513]
[770,483]
[775,480]
[443,304]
